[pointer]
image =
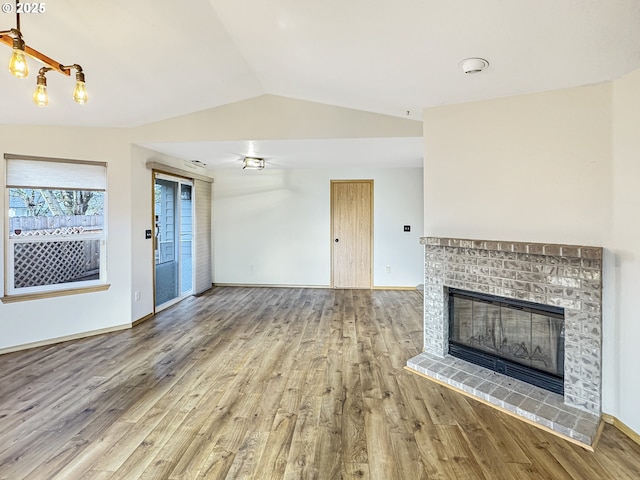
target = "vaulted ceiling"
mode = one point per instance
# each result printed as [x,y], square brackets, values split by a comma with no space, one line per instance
[147,60]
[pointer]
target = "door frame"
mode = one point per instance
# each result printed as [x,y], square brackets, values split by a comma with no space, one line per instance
[371,198]
[179,178]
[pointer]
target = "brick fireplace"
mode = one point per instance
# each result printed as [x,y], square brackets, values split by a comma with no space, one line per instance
[566,276]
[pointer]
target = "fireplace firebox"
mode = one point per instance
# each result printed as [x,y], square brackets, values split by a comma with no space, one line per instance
[517,338]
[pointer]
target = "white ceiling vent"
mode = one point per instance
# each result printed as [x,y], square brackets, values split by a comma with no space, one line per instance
[195,164]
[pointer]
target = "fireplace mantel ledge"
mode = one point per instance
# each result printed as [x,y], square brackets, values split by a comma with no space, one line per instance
[551,249]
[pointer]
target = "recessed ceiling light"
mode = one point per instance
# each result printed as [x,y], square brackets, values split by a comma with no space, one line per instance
[473,65]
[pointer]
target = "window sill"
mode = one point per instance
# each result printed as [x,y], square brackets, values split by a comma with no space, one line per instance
[54,293]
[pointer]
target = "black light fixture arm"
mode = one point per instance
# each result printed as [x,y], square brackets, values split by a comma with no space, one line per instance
[42,80]
[68,68]
[14,32]
[44,70]
[16,38]
[78,69]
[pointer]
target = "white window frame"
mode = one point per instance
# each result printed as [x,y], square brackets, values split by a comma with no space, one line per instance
[10,289]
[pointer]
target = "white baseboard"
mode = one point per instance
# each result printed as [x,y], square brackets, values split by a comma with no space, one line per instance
[66,338]
[270,285]
[628,431]
[275,285]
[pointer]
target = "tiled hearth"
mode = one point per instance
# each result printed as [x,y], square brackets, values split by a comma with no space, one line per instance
[567,276]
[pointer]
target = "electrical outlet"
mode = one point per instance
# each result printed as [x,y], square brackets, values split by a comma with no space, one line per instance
[407,228]
[137,295]
[387,269]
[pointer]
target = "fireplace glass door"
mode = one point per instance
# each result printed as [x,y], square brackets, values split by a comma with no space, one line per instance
[509,336]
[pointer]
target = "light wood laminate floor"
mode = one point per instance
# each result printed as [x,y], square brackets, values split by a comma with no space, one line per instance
[269,383]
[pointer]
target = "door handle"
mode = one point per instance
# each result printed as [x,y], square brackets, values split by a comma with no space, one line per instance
[336,240]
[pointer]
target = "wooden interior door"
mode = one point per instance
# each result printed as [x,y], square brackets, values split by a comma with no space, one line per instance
[351,233]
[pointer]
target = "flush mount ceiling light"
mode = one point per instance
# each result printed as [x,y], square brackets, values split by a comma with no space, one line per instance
[473,65]
[18,63]
[252,163]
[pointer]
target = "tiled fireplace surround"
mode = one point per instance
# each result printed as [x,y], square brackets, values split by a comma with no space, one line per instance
[567,276]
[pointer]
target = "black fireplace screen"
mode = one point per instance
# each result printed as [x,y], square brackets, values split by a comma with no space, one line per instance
[521,339]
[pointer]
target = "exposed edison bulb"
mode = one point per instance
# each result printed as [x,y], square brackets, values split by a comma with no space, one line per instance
[40,96]
[18,64]
[80,93]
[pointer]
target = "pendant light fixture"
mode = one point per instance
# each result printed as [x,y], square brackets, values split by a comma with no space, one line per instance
[40,96]
[18,63]
[19,68]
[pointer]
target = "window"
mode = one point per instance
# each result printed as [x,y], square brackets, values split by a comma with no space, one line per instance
[56,231]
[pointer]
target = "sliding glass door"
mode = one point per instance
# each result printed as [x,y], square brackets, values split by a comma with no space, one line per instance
[173,214]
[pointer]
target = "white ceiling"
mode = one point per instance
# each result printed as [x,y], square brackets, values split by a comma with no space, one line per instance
[403,152]
[147,60]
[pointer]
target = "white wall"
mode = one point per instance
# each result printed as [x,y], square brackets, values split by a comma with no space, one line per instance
[37,320]
[624,354]
[297,198]
[141,184]
[278,118]
[273,226]
[557,167]
[530,167]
